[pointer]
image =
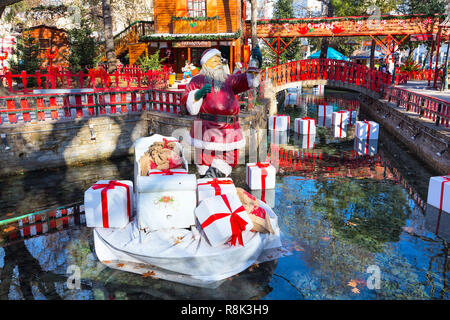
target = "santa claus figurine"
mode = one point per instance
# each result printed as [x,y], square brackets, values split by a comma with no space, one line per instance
[216,133]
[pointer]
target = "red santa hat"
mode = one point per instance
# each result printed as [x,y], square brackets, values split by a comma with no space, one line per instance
[208,54]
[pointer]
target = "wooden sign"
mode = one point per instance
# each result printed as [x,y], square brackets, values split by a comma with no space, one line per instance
[192,44]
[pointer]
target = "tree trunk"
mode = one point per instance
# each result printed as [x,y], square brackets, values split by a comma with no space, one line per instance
[254,5]
[325,41]
[372,54]
[109,39]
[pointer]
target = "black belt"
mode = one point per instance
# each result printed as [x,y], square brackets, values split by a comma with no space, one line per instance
[218,118]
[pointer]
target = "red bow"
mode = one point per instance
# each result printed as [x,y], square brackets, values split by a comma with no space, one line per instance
[237,223]
[111,185]
[167,172]
[215,183]
[166,142]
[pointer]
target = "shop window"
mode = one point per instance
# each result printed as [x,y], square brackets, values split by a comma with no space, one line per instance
[196,8]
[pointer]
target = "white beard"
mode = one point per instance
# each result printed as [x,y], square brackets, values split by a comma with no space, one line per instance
[216,77]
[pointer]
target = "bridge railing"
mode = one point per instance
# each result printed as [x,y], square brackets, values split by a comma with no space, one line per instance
[328,69]
[435,109]
[97,79]
[39,107]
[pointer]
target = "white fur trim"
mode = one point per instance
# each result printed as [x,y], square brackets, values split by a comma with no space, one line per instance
[252,80]
[208,55]
[192,106]
[201,169]
[222,166]
[216,145]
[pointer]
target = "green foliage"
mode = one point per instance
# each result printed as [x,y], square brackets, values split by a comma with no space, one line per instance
[152,62]
[84,53]
[27,51]
[410,66]
[283,10]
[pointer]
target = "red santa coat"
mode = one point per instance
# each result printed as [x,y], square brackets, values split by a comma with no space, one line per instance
[216,139]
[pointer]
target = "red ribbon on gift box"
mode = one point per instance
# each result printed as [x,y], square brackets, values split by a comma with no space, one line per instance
[264,173]
[166,172]
[109,186]
[324,114]
[340,122]
[446,179]
[275,120]
[166,142]
[215,183]
[368,136]
[237,223]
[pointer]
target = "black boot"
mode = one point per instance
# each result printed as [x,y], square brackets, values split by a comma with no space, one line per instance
[214,173]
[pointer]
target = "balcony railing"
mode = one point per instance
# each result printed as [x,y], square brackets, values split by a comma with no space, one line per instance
[195,25]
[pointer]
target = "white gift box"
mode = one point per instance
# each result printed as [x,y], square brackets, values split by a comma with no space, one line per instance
[166,200]
[279,137]
[325,111]
[216,216]
[352,114]
[305,141]
[365,147]
[439,188]
[291,98]
[367,130]
[109,204]
[260,175]
[267,196]
[279,122]
[207,188]
[305,125]
[339,122]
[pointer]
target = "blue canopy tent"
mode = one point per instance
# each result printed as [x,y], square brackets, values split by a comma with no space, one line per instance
[331,54]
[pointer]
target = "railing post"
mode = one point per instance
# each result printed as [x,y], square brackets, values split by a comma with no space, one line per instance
[438,112]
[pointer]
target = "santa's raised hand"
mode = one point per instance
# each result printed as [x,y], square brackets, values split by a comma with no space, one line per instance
[203,91]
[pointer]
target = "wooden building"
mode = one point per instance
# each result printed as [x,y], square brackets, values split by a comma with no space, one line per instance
[183,29]
[53,38]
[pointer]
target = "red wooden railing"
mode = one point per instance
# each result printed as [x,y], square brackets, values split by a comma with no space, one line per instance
[35,107]
[428,107]
[98,79]
[149,92]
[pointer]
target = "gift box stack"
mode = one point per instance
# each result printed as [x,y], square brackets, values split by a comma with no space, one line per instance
[366,137]
[339,123]
[305,129]
[324,113]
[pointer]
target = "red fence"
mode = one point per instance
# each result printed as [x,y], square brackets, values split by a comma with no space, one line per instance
[431,108]
[27,108]
[99,79]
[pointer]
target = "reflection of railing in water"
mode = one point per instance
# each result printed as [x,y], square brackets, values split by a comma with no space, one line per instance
[294,160]
[41,222]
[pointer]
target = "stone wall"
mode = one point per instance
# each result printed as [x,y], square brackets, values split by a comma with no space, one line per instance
[36,146]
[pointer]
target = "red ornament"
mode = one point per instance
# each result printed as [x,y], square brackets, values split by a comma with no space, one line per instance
[50,55]
[303,30]
[4,56]
[335,29]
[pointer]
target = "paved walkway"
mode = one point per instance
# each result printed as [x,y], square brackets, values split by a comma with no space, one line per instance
[421,87]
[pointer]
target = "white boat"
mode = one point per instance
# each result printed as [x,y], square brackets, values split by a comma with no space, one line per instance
[181,255]
[191,260]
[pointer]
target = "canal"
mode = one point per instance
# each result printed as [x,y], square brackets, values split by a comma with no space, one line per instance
[353,226]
